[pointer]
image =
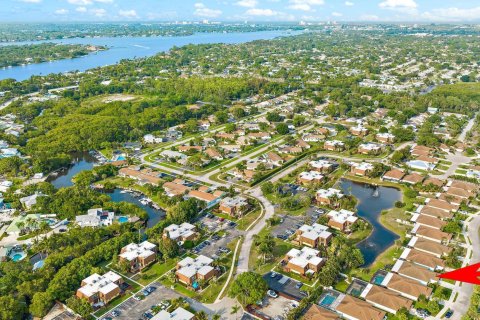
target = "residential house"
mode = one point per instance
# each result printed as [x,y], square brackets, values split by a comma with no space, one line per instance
[314,235]
[428,221]
[385,138]
[29,201]
[415,272]
[95,218]
[180,233]
[341,220]
[315,312]
[190,270]
[370,148]
[178,314]
[359,131]
[150,138]
[422,259]
[141,176]
[361,169]
[334,145]
[385,299]
[209,198]
[322,166]
[214,154]
[355,309]
[431,234]
[97,289]
[173,189]
[274,159]
[234,206]
[395,175]
[313,138]
[435,212]
[413,178]
[308,177]
[442,205]
[406,287]
[430,247]
[328,196]
[303,262]
[138,256]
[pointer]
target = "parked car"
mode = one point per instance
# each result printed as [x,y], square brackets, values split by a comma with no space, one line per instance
[281,236]
[449,314]
[298,285]
[272,294]
[115,313]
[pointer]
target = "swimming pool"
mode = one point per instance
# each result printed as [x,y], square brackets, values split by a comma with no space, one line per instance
[38,264]
[378,279]
[327,300]
[122,219]
[17,256]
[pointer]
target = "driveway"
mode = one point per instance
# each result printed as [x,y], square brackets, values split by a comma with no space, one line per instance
[284,285]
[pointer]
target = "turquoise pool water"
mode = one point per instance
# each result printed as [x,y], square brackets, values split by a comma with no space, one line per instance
[18,256]
[38,264]
[327,300]
[378,279]
[122,219]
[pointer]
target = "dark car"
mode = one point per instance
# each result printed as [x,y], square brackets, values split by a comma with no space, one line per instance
[298,285]
[449,314]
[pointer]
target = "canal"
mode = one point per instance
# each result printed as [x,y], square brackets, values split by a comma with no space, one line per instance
[372,200]
[84,161]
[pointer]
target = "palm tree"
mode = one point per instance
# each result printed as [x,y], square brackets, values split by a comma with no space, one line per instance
[235,310]
[216,316]
[201,315]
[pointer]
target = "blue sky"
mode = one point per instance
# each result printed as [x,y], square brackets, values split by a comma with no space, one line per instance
[240,10]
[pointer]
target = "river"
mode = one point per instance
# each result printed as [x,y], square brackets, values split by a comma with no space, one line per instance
[127,48]
[86,162]
[372,200]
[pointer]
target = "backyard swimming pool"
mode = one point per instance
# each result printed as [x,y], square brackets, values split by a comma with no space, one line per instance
[122,219]
[17,256]
[327,300]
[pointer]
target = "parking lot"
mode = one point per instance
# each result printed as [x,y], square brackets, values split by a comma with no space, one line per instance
[277,308]
[290,224]
[284,285]
[215,246]
[133,309]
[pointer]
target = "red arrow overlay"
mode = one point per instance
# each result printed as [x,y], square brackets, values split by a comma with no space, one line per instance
[468,274]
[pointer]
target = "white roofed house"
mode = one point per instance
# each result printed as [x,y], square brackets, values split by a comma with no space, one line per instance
[100,290]
[314,235]
[309,177]
[370,148]
[234,206]
[361,169]
[303,262]
[342,219]
[178,314]
[95,218]
[323,166]
[190,271]
[334,145]
[329,196]
[138,256]
[385,137]
[183,232]
[29,201]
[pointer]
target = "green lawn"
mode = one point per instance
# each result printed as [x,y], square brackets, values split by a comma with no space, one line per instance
[155,271]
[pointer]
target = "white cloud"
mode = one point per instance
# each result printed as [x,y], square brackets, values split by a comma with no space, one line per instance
[337,14]
[31,1]
[87,2]
[261,12]
[304,5]
[247,3]
[452,14]
[80,2]
[392,4]
[128,13]
[81,9]
[61,11]
[99,12]
[202,11]
[349,3]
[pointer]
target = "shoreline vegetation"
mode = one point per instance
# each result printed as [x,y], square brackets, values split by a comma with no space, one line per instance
[384,219]
[21,55]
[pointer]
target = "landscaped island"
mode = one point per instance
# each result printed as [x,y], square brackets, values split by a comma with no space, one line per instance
[37,53]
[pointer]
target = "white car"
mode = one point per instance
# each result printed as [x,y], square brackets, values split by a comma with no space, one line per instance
[272,294]
[273,274]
